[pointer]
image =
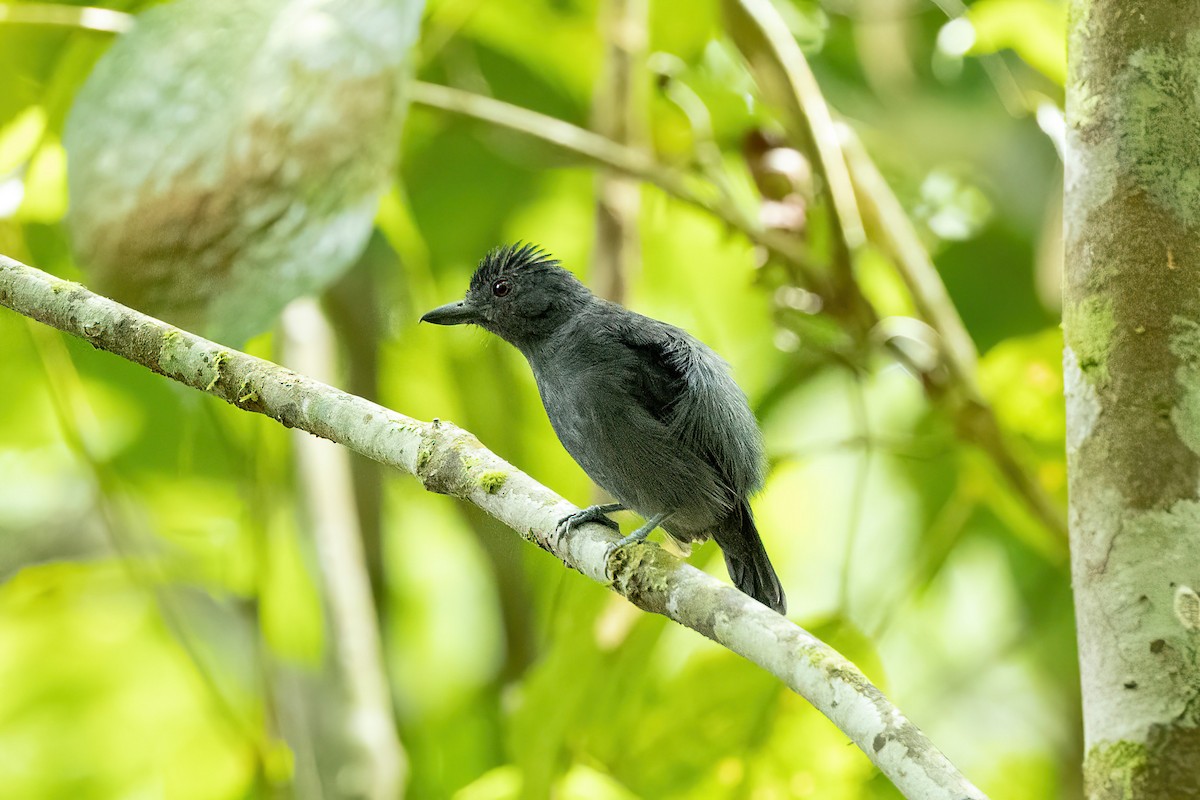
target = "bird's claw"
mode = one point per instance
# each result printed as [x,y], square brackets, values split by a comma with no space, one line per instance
[639,535]
[589,514]
[608,523]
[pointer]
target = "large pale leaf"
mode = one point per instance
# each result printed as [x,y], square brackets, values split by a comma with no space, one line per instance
[226,157]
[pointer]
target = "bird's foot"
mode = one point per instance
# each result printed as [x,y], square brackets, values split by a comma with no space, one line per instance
[640,535]
[590,514]
[637,536]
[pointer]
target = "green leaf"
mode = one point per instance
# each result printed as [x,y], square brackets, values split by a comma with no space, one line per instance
[20,137]
[1023,379]
[227,157]
[1036,30]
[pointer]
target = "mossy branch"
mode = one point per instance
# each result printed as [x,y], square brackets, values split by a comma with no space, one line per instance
[885,220]
[449,460]
[888,227]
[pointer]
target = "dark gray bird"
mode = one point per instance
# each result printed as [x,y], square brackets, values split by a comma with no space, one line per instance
[650,413]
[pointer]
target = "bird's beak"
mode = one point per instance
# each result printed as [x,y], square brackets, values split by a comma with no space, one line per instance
[459,313]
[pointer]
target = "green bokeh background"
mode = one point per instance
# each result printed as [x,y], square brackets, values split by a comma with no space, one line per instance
[160,610]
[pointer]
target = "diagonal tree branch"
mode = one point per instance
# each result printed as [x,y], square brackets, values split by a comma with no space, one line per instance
[885,220]
[357,647]
[614,155]
[890,228]
[783,73]
[449,460]
[855,190]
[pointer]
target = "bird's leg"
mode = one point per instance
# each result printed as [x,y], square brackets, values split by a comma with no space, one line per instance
[641,533]
[589,514]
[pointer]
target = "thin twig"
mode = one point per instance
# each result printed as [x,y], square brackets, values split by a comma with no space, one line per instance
[451,461]
[882,216]
[605,152]
[785,77]
[890,228]
[618,113]
[853,184]
[887,223]
[324,472]
[81,430]
[708,157]
[1003,81]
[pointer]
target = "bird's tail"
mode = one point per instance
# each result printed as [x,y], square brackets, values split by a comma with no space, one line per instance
[746,558]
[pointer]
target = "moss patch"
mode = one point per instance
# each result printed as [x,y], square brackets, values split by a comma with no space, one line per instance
[1185,346]
[171,352]
[1159,85]
[1115,770]
[1089,329]
[247,394]
[218,366]
[1164,768]
[493,480]
[423,455]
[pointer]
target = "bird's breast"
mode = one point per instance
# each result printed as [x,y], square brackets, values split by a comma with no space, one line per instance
[628,452]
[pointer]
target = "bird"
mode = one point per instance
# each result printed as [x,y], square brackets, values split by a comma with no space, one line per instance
[651,414]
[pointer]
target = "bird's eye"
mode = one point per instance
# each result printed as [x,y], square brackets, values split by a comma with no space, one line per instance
[501,288]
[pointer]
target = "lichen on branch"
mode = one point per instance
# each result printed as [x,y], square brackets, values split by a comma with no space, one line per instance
[449,460]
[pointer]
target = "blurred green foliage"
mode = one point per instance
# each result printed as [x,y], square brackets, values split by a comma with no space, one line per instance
[161,621]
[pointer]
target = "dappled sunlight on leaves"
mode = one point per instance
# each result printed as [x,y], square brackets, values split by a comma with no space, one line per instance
[165,627]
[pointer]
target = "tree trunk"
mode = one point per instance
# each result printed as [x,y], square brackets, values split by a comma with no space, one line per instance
[1132,362]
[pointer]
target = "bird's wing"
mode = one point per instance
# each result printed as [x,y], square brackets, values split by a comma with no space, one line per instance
[660,380]
[687,387]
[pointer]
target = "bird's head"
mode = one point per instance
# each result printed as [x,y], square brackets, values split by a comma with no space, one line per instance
[519,293]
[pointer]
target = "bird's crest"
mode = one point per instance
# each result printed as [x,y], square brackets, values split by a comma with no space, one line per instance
[512,259]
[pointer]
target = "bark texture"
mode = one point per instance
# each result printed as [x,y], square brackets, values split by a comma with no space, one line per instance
[1132,363]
